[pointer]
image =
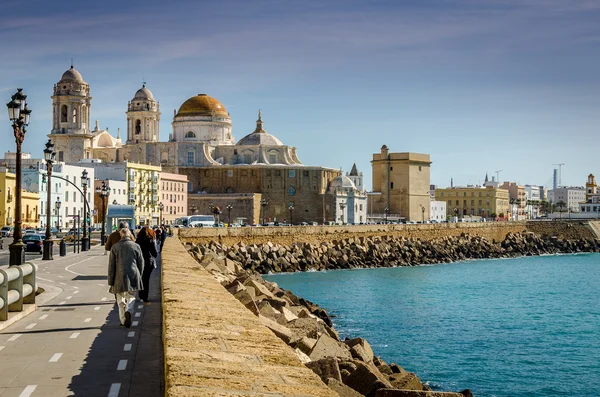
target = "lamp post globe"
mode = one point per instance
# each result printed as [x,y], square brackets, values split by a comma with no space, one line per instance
[48,242]
[161,207]
[229,207]
[57,205]
[18,114]
[291,209]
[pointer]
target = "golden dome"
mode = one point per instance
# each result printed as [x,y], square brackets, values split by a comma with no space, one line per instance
[202,105]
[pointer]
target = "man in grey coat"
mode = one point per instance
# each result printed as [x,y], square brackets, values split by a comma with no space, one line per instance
[125,268]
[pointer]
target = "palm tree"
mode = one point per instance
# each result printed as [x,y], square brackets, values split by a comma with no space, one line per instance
[561,207]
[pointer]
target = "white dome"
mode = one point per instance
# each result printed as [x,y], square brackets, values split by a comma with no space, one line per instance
[72,75]
[143,94]
[342,181]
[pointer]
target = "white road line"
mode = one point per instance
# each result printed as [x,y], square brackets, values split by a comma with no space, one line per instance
[76,291]
[87,320]
[97,308]
[131,334]
[138,314]
[74,335]
[62,303]
[31,325]
[114,390]
[60,276]
[55,358]
[135,323]
[75,288]
[122,365]
[28,390]
[77,263]
[43,317]
[102,285]
[62,283]
[69,297]
[1,348]
[104,299]
[127,347]
[14,337]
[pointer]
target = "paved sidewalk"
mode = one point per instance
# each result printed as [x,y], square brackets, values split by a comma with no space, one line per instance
[73,345]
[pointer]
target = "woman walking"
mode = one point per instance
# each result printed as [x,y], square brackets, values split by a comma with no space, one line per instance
[125,268]
[147,242]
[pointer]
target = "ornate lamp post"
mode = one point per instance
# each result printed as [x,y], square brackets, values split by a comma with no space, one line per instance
[422,214]
[161,207]
[263,204]
[229,208]
[386,211]
[57,206]
[48,242]
[18,114]
[103,192]
[291,209]
[84,185]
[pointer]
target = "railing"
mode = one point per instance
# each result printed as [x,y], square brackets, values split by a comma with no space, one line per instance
[17,287]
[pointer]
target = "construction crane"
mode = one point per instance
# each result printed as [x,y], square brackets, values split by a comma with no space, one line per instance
[559,173]
[498,175]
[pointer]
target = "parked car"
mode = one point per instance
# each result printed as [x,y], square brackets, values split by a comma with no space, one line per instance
[30,231]
[73,235]
[7,231]
[33,243]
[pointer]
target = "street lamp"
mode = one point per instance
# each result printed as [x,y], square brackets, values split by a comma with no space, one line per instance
[18,114]
[456,213]
[161,207]
[103,191]
[422,213]
[263,204]
[57,206]
[48,243]
[386,212]
[229,208]
[84,185]
[291,209]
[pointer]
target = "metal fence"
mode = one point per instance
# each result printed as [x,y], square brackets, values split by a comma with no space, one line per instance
[17,288]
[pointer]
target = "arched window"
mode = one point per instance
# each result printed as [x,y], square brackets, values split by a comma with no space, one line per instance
[273,157]
[229,190]
[83,115]
[74,116]
[138,127]
[190,134]
[63,114]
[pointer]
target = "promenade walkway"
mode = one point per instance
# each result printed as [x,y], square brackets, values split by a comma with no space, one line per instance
[73,345]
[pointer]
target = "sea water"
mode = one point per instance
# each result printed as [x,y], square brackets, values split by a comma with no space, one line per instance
[510,327]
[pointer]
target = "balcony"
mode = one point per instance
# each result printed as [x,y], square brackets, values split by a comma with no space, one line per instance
[9,198]
[132,184]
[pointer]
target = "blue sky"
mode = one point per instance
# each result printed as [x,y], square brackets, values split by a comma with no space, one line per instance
[479,85]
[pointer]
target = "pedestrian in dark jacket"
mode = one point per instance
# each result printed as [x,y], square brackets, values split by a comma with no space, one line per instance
[146,241]
[125,269]
[163,236]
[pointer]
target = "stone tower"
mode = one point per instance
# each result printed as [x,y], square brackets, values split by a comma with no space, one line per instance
[356,177]
[591,188]
[70,117]
[143,117]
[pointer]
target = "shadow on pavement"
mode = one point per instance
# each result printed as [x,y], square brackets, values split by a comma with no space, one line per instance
[104,369]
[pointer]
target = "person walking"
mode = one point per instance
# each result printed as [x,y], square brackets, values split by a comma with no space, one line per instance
[157,235]
[115,236]
[125,269]
[146,241]
[163,236]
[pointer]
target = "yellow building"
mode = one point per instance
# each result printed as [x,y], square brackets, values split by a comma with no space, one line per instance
[489,202]
[400,184]
[143,188]
[30,202]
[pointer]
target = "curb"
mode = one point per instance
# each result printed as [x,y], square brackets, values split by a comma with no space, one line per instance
[13,317]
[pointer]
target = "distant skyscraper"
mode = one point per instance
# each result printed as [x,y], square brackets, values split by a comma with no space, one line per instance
[555,179]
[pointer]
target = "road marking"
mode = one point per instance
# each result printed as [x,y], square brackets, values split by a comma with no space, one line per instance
[55,357]
[62,303]
[31,325]
[138,314]
[1,348]
[127,347]
[62,283]
[102,285]
[77,263]
[87,320]
[122,365]
[135,323]
[74,335]
[68,297]
[76,291]
[60,277]
[75,288]
[104,299]
[114,390]
[28,390]
[97,308]
[14,337]
[131,334]
[43,317]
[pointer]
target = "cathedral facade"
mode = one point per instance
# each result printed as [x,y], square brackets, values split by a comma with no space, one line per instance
[201,146]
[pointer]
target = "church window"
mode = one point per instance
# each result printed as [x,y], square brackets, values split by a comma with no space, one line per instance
[391,168]
[277,172]
[74,116]
[273,158]
[292,173]
[61,155]
[190,187]
[305,173]
[229,190]
[63,114]
[138,127]
[190,134]
[391,185]
[190,157]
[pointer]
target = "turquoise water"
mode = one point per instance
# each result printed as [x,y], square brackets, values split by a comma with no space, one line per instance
[511,327]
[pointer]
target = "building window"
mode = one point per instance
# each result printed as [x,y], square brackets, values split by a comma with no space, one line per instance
[305,173]
[391,168]
[63,114]
[190,158]
[391,185]
[292,174]
[277,172]
[190,134]
[229,173]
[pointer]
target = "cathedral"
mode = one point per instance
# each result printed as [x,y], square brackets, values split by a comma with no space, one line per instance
[258,177]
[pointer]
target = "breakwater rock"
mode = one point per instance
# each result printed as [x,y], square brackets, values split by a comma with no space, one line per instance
[349,367]
[389,251]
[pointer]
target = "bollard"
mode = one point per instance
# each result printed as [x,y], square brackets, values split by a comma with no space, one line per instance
[63,247]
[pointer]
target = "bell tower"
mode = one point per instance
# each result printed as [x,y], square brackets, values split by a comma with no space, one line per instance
[143,117]
[70,117]
[591,188]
